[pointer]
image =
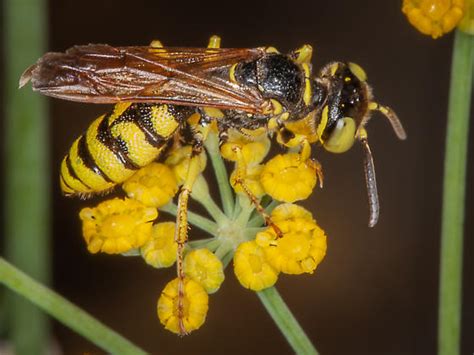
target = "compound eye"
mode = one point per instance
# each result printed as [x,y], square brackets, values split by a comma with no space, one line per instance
[343,136]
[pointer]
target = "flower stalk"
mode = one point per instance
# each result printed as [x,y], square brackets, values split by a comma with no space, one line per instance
[66,312]
[455,162]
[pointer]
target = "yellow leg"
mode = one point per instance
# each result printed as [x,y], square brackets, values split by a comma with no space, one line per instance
[181,233]
[241,167]
[305,155]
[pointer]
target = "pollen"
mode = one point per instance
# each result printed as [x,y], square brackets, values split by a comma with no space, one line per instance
[202,266]
[302,246]
[289,178]
[178,160]
[434,17]
[252,268]
[196,304]
[154,185]
[116,226]
[160,250]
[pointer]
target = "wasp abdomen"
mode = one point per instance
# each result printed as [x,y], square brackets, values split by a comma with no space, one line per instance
[116,145]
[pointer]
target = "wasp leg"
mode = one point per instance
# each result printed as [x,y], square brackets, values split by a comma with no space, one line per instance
[305,155]
[181,233]
[241,168]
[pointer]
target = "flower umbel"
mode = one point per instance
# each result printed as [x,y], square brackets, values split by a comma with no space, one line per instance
[293,243]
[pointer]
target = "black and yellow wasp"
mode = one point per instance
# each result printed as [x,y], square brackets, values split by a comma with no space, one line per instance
[156,90]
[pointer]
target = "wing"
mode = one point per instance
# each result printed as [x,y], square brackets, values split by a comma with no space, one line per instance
[184,76]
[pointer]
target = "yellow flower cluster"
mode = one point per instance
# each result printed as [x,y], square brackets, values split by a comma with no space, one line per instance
[434,17]
[292,242]
[300,249]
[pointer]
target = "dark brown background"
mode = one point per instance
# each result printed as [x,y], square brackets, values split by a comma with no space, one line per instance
[376,291]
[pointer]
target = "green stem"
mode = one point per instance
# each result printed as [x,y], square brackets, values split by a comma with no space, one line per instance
[213,209]
[193,218]
[257,221]
[227,197]
[64,311]
[27,183]
[285,320]
[450,284]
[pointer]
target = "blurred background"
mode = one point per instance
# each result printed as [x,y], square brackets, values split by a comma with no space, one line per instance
[376,291]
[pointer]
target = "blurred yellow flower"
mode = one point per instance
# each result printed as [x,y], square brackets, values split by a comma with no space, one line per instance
[196,304]
[202,266]
[434,17]
[116,226]
[154,185]
[251,267]
[288,178]
[160,250]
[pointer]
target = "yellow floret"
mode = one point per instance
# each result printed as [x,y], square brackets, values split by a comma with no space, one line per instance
[301,248]
[160,250]
[154,185]
[116,226]
[434,17]
[202,266]
[195,303]
[251,178]
[289,178]
[251,267]
[178,161]
[254,148]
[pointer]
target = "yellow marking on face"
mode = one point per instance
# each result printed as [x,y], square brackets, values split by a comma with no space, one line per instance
[343,136]
[277,107]
[213,112]
[271,50]
[307,88]
[272,123]
[322,125]
[358,71]
[214,42]
[347,79]
[304,54]
[284,116]
[104,158]
[333,68]
[232,73]
[156,44]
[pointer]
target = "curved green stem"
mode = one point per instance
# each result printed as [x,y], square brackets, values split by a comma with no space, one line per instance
[66,312]
[455,161]
[227,197]
[286,322]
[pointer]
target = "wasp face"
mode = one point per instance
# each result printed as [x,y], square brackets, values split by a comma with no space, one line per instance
[346,106]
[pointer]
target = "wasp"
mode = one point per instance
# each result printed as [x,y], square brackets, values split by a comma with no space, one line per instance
[157,89]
